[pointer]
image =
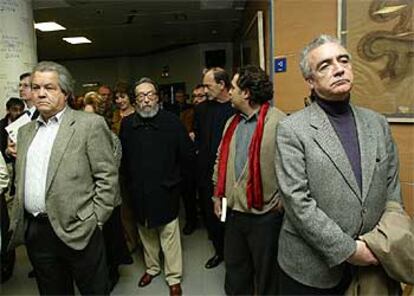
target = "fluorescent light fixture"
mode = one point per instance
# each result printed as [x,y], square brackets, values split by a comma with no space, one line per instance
[49,27]
[390,9]
[77,40]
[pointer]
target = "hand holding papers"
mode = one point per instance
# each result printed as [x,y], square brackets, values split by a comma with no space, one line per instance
[13,128]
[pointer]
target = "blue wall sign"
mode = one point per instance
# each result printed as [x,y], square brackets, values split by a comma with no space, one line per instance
[280,65]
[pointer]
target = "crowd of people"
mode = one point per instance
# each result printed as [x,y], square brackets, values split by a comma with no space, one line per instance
[284,199]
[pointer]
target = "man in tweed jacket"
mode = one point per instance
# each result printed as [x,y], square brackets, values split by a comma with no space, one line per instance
[66,179]
[337,166]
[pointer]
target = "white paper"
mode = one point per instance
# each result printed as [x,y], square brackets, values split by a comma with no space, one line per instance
[13,128]
[223,209]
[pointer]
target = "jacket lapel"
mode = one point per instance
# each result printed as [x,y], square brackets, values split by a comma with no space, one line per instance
[368,148]
[60,144]
[325,136]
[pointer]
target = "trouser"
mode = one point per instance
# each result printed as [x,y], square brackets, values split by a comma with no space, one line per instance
[56,265]
[189,194]
[250,253]
[7,256]
[166,237]
[115,245]
[215,228]
[289,286]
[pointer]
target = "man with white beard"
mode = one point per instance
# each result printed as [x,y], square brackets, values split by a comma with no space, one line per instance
[157,155]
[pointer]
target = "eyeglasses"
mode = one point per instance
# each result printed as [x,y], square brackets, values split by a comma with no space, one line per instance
[150,95]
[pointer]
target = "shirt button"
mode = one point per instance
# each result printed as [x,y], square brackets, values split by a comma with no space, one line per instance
[364,210]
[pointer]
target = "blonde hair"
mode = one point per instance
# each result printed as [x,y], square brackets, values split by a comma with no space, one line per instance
[95,100]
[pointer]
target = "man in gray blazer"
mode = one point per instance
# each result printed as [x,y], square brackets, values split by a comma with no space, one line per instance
[66,185]
[337,166]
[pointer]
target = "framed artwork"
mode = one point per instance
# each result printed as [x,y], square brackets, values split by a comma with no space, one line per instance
[380,36]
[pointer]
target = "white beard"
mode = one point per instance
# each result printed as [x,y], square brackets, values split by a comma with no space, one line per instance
[150,113]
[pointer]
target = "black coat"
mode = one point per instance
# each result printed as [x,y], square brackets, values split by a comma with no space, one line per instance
[157,154]
[210,118]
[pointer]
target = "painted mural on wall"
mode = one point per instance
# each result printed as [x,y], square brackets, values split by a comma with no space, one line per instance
[397,45]
[381,39]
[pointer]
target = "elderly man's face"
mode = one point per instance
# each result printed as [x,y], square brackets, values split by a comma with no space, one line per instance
[147,100]
[211,87]
[331,69]
[47,95]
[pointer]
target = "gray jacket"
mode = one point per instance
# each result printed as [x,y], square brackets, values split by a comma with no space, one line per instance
[81,179]
[325,209]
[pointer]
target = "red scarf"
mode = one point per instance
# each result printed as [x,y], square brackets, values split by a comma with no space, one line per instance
[254,181]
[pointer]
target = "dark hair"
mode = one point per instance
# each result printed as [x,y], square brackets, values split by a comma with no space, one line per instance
[198,86]
[255,80]
[146,80]
[24,75]
[219,75]
[14,102]
[124,88]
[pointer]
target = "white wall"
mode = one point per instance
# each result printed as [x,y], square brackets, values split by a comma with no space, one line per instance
[185,65]
[17,47]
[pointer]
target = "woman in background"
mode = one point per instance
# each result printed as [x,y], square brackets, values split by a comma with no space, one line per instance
[124,101]
[116,249]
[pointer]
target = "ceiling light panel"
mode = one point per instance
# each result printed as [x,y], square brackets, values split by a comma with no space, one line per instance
[49,27]
[77,40]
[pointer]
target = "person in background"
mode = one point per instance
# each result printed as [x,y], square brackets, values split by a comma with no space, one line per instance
[117,252]
[7,258]
[25,92]
[106,93]
[244,175]
[189,194]
[66,186]
[198,94]
[210,118]
[124,102]
[337,166]
[14,108]
[157,156]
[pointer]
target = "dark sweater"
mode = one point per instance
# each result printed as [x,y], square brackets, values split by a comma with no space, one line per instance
[342,119]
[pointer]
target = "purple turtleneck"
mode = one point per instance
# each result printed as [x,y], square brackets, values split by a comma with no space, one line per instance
[342,119]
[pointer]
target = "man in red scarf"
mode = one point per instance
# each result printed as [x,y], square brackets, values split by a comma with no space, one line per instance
[245,176]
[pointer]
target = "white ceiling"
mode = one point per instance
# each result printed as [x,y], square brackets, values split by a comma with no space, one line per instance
[134,27]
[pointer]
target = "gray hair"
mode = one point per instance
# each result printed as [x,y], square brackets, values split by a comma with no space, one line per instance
[146,80]
[318,41]
[66,82]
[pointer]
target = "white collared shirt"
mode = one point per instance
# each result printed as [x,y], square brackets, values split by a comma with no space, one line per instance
[37,162]
[30,110]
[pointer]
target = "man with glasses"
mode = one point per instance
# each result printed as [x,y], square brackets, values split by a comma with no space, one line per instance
[157,155]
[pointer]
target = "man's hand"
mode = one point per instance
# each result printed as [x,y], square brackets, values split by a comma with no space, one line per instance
[217,207]
[363,255]
[11,148]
